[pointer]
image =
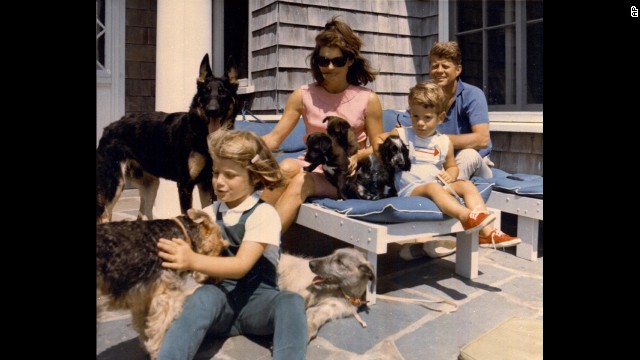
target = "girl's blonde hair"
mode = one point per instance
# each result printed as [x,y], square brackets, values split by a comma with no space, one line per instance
[427,94]
[248,150]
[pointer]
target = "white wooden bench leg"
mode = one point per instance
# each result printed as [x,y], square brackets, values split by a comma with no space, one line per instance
[528,248]
[372,257]
[467,255]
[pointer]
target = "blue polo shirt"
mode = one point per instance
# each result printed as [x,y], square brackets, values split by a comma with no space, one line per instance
[469,108]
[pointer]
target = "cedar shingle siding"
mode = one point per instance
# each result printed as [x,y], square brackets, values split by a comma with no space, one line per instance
[397,37]
[140,56]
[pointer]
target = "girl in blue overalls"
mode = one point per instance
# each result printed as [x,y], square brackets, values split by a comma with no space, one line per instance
[248,300]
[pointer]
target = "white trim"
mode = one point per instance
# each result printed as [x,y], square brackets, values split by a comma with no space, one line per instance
[525,122]
[266,118]
[218,38]
[110,82]
[117,59]
[246,89]
[443,20]
[520,121]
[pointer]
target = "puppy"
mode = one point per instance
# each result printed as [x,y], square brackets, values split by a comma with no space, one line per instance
[375,179]
[394,155]
[130,276]
[325,151]
[340,130]
[372,181]
[331,286]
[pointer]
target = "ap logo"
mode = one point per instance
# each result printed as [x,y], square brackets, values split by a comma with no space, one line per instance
[634,11]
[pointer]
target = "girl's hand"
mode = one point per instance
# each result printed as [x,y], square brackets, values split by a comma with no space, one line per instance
[353,165]
[176,253]
[446,176]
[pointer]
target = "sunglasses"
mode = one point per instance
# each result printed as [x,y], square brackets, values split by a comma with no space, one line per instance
[337,62]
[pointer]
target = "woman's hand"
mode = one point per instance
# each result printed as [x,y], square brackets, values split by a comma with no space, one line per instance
[176,253]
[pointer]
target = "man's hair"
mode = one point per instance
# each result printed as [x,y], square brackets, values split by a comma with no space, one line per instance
[448,50]
[427,94]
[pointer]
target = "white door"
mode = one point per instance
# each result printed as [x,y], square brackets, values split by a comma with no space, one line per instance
[110,31]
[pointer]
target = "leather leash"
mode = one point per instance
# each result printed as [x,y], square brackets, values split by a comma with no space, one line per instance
[421,302]
[184,230]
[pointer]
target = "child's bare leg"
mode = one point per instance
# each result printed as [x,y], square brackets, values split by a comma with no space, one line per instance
[472,199]
[443,200]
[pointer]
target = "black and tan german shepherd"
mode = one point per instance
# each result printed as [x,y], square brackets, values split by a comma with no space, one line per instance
[144,147]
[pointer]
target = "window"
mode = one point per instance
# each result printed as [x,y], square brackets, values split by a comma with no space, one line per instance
[231,37]
[101,34]
[502,50]
[236,37]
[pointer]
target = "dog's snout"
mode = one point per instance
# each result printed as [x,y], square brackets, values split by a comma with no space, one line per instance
[213,105]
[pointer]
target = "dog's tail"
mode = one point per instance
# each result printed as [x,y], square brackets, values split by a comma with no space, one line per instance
[108,176]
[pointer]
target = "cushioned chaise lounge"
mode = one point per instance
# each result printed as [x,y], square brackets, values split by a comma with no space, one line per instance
[371,225]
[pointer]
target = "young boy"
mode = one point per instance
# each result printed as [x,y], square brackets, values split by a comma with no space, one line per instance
[433,163]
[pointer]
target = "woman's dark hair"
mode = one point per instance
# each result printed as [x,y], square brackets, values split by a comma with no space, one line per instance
[337,33]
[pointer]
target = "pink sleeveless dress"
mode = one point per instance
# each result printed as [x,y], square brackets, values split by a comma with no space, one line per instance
[351,105]
[317,103]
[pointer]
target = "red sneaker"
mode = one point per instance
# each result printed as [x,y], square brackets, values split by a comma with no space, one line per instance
[498,240]
[477,220]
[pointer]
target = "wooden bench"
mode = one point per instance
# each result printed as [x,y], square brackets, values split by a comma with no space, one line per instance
[530,213]
[372,239]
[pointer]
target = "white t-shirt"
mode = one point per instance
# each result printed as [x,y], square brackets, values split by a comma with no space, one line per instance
[263,226]
[427,155]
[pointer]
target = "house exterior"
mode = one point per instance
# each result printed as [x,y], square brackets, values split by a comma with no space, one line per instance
[146,51]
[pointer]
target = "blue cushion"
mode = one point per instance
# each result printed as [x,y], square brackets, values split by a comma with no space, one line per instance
[293,143]
[520,184]
[391,118]
[394,209]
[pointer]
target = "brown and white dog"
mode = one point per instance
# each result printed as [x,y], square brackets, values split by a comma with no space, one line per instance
[331,286]
[129,274]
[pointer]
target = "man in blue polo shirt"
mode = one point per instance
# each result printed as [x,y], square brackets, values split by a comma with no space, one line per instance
[467,121]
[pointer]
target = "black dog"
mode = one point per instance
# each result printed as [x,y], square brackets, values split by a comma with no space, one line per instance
[394,154]
[375,179]
[325,151]
[332,151]
[340,130]
[147,146]
[129,274]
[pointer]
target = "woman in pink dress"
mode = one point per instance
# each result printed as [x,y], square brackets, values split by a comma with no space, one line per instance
[339,71]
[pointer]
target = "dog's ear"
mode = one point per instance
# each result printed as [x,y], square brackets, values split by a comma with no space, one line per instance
[205,69]
[405,155]
[197,215]
[367,269]
[232,71]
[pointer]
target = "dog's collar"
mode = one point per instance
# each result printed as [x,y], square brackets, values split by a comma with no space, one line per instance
[353,300]
[184,230]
